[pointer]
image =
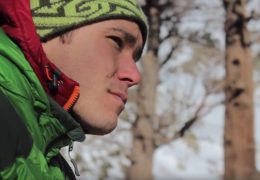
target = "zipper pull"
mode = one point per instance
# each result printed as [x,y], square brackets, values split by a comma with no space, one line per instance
[76,170]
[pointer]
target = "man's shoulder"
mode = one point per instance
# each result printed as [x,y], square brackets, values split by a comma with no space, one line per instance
[12,78]
[16,74]
[11,50]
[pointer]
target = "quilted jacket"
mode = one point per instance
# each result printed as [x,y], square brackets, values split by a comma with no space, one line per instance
[34,118]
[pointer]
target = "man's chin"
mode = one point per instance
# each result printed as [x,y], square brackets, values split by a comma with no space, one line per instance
[96,126]
[97,130]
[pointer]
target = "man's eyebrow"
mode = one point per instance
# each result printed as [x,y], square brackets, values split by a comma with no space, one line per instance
[128,37]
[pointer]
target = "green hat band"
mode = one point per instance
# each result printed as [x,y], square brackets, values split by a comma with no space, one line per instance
[54,17]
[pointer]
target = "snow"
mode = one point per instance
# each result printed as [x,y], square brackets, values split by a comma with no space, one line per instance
[180,161]
[257,136]
[189,163]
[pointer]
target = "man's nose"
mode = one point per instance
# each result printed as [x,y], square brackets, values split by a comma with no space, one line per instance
[128,71]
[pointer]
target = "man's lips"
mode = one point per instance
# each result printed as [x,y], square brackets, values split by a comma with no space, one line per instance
[122,96]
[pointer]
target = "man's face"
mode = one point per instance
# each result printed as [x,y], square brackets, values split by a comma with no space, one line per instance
[101,57]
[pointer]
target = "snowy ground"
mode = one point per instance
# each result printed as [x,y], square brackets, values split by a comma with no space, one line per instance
[179,161]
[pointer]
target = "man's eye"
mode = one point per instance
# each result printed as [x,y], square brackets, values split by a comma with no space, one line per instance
[117,40]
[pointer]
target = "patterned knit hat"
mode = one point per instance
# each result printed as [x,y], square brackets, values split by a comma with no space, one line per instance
[54,17]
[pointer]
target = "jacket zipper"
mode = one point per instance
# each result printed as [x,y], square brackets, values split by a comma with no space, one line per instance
[76,170]
[72,99]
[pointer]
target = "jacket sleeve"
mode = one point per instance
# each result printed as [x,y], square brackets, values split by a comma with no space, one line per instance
[19,158]
[15,139]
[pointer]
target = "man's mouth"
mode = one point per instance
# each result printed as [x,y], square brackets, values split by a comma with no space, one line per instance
[120,95]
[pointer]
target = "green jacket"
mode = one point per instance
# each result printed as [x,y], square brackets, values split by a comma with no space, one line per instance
[33,127]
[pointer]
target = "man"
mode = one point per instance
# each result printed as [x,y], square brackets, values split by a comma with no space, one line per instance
[65,68]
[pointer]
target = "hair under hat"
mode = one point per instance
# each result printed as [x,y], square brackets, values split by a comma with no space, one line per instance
[55,17]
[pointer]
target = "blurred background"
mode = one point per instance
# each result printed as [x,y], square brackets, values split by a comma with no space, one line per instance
[196,113]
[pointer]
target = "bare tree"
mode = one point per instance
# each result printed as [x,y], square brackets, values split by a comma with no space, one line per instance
[239,117]
[146,135]
[143,145]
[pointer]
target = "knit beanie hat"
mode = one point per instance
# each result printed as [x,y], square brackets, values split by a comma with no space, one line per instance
[55,17]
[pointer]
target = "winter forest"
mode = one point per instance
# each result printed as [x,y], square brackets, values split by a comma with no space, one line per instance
[196,113]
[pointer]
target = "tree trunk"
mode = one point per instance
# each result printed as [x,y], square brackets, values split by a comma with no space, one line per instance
[143,133]
[239,116]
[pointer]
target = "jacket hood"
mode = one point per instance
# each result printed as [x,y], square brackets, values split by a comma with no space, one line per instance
[17,22]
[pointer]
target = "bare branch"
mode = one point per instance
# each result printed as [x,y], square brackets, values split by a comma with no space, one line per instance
[172,32]
[190,122]
[201,111]
[168,57]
